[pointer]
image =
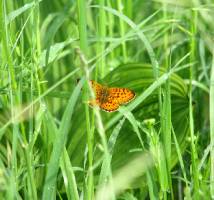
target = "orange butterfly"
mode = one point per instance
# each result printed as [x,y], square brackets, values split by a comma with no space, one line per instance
[109,99]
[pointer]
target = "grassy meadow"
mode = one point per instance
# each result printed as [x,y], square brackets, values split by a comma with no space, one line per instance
[53,145]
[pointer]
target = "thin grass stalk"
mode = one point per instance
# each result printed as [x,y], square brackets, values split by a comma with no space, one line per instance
[212,130]
[120,7]
[32,187]
[110,19]
[100,70]
[161,167]
[31,98]
[166,115]
[35,53]
[153,191]
[167,102]
[101,35]
[22,126]
[111,143]
[183,170]
[107,156]
[151,184]
[194,155]
[71,187]
[81,9]
[196,70]
[38,40]
[31,95]
[166,36]
[37,46]
[129,8]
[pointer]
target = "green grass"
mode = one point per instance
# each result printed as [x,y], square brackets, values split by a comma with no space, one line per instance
[158,146]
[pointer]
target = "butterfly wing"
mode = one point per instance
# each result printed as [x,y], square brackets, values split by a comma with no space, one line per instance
[109,99]
[121,95]
[109,106]
[97,88]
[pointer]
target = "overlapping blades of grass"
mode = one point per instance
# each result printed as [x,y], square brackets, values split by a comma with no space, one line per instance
[58,145]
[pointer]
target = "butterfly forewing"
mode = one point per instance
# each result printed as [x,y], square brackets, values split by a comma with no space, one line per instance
[121,95]
[97,88]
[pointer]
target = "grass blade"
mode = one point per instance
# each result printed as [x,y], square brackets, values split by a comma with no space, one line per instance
[59,142]
[212,130]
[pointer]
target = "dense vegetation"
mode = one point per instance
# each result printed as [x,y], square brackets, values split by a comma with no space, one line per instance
[158,146]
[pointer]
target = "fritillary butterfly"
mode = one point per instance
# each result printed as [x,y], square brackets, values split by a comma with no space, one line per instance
[109,99]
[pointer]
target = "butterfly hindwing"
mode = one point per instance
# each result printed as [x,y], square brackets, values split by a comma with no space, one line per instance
[109,106]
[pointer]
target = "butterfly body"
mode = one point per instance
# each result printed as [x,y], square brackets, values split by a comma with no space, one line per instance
[109,99]
[103,96]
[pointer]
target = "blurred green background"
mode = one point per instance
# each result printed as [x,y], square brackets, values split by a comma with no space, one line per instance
[54,146]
